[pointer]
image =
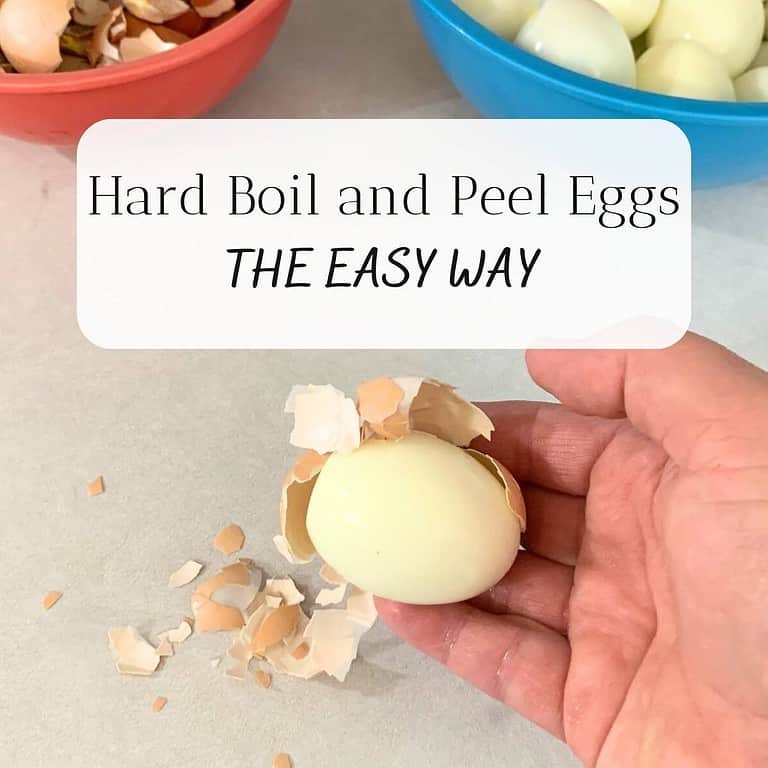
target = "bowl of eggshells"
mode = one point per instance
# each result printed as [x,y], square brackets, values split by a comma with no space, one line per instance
[701,64]
[66,64]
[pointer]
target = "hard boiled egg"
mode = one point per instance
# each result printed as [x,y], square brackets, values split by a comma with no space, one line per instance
[684,68]
[504,17]
[752,85]
[761,60]
[731,29]
[583,36]
[417,520]
[635,15]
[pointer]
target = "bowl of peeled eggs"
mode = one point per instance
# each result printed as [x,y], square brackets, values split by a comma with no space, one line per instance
[701,64]
[66,64]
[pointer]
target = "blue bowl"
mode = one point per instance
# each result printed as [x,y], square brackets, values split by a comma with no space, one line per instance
[729,141]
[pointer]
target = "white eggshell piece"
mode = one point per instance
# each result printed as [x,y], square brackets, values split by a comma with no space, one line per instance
[731,29]
[752,85]
[416,520]
[504,17]
[634,15]
[686,69]
[580,35]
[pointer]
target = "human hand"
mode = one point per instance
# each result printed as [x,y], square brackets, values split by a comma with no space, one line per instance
[635,624]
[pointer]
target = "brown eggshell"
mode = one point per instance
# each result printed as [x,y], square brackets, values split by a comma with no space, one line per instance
[276,625]
[514,495]
[30,32]
[229,539]
[294,501]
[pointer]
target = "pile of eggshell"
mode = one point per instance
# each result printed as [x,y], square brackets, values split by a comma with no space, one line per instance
[699,49]
[39,36]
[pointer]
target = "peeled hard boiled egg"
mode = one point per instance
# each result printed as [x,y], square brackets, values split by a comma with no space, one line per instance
[731,29]
[417,520]
[684,68]
[752,85]
[583,36]
[635,15]
[504,17]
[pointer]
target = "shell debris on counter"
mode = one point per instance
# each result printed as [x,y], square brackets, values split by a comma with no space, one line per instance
[393,500]
[43,36]
[696,49]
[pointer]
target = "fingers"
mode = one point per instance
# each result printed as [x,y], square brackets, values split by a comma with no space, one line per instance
[535,588]
[511,658]
[546,444]
[681,397]
[555,525]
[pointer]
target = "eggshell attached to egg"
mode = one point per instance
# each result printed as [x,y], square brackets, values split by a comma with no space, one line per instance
[583,36]
[686,69]
[731,29]
[504,17]
[417,520]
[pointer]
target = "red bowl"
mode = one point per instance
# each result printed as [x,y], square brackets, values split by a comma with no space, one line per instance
[57,108]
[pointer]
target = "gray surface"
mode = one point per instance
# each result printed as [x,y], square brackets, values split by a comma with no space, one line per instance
[190,441]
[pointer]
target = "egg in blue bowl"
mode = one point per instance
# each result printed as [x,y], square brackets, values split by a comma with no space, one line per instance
[701,64]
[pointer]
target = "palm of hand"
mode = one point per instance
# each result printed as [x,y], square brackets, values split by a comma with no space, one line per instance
[652,619]
[635,624]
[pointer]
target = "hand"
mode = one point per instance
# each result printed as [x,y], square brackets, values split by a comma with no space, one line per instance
[635,624]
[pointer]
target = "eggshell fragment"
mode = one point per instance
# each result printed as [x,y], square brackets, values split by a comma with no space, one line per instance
[177,635]
[685,69]
[731,30]
[211,9]
[331,596]
[285,589]
[264,679]
[132,653]
[752,86]
[159,703]
[330,576]
[135,27]
[334,639]
[277,624]
[361,607]
[229,539]
[514,495]
[96,487]
[30,32]
[295,544]
[107,35]
[50,599]
[417,520]
[282,760]
[164,647]
[157,11]
[146,44]
[235,573]
[325,419]
[300,651]
[438,410]
[580,35]
[212,617]
[184,575]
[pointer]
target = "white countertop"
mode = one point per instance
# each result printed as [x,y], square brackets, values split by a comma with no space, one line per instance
[190,441]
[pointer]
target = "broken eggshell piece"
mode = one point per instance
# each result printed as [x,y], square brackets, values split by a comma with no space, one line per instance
[409,514]
[30,32]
